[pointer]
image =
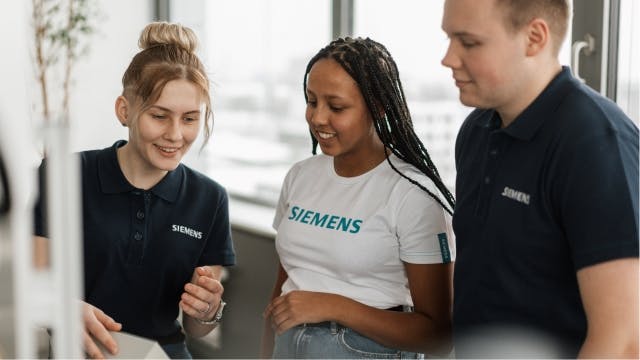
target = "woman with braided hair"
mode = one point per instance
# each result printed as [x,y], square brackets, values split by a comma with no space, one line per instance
[156,232]
[363,229]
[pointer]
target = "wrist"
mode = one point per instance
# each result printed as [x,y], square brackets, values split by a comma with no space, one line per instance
[217,316]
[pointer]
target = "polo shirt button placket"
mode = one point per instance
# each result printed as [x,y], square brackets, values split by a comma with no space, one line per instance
[140,215]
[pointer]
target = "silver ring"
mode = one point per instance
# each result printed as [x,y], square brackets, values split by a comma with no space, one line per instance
[207,310]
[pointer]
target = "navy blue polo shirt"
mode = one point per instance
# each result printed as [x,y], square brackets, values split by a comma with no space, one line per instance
[142,246]
[552,193]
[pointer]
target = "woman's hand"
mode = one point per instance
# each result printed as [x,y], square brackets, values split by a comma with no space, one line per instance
[97,325]
[201,296]
[300,307]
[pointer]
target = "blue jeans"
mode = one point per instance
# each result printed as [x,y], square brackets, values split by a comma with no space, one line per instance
[331,341]
[177,350]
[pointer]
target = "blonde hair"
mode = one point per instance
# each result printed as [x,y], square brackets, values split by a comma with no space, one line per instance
[167,53]
[556,13]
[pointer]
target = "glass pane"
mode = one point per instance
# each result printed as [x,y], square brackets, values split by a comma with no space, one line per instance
[410,29]
[628,91]
[256,52]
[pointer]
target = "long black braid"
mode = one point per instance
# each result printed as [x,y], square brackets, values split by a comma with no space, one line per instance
[370,64]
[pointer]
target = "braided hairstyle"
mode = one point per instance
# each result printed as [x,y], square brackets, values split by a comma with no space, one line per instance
[370,64]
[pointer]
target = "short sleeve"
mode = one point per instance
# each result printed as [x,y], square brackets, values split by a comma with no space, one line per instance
[283,202]
[599,199]
[424,230]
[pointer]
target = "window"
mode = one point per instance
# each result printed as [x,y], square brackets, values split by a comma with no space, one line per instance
[256,52]
[628,84]
[410,29]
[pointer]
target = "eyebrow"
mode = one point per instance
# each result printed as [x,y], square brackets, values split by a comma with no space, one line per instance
[463,34]
[329,97]
[171,111]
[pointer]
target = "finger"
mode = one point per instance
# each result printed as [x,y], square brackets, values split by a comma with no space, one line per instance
[193,312]
[200,293]
[108,321]
[267,311]
[205,271]
[198,304]
[210,284]
[285,325]
[101,334]
[91,348]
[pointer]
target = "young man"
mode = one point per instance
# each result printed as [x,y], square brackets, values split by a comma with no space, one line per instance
[546,218]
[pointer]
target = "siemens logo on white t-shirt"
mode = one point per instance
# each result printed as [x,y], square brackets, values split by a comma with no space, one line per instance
[326,221]
[187,230]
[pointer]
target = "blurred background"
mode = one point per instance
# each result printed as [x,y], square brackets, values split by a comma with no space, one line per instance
[256,52]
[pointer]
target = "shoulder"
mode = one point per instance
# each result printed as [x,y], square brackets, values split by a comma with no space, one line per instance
[408,181]
[89,157]
[201,184]
[588,113]
[313,166]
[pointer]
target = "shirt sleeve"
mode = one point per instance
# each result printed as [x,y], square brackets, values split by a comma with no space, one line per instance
[598,200]
[283,202]
[424,230]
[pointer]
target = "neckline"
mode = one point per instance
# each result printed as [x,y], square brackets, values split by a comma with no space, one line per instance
[356,179]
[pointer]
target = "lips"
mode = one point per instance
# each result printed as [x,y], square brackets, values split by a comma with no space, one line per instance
[461,82]
[325,135]
[167,150]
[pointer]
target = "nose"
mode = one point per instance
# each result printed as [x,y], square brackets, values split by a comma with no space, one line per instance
[316,116]
[173,131]
[450,59]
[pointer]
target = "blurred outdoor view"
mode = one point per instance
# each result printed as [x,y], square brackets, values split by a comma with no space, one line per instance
[256,52]
[257,73]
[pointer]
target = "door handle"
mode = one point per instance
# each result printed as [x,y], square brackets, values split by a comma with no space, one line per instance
[587,46]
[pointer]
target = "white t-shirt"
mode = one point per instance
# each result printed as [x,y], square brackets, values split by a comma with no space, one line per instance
[350,235]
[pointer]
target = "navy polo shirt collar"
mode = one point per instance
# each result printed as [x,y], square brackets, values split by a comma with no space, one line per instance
[113,181]
[526,125]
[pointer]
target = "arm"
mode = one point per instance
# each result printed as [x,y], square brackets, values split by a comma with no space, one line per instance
[40,252]
[201,299]
[266,347]
[609,292]
[427,329]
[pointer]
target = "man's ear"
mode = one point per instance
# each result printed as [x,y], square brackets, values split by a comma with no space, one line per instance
[538,36]
[122,110]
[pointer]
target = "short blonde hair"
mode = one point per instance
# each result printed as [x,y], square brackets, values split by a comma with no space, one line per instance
[555,12]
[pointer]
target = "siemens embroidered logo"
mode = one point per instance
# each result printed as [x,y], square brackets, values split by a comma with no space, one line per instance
[326,221]
[516,195]
[187,230]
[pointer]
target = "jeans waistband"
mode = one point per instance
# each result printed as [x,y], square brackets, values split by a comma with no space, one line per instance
[336,326]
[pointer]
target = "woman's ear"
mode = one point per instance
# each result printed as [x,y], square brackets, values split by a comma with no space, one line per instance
[122,110]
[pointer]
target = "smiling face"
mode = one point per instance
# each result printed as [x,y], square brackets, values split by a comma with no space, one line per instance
[488,60]
[339,118]
[161,135]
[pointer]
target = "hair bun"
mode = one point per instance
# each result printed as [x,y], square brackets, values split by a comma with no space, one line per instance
[164,33]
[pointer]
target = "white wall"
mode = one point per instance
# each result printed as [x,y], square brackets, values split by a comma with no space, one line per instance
[96,77]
